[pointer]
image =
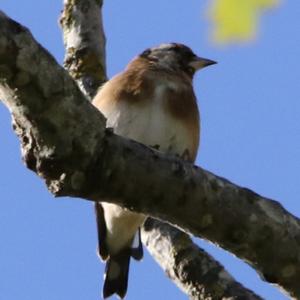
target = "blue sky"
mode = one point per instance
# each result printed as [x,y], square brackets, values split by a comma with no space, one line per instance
[250,108]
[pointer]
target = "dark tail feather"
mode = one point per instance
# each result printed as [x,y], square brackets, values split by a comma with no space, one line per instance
[137,247]
[101,229]
[116,275]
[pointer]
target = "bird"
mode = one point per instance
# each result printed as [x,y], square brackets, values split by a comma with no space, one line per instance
[152,102]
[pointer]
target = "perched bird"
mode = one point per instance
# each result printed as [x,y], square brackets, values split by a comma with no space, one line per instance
[152,102]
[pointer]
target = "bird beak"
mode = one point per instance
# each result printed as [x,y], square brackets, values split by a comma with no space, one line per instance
[199,63]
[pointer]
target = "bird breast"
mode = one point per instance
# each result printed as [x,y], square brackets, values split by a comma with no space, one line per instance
[160,121]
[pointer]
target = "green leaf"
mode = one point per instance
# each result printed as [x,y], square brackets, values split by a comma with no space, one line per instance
[237,20]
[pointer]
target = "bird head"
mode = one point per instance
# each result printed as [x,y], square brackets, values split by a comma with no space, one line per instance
[175,57]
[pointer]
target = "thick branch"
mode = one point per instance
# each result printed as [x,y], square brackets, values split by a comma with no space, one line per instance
[64,141]
[193,270]
[84,40]
[50,113]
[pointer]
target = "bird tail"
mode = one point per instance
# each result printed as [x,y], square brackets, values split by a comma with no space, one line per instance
[116,275]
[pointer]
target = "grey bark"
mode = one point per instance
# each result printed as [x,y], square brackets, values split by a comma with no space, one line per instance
[193,270]
[84,41]
[65,142]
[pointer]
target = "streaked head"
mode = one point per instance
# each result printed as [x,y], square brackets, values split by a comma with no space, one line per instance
[176,57]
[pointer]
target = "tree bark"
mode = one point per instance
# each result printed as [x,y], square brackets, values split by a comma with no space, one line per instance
[84,40]
[64,141]
[194,271]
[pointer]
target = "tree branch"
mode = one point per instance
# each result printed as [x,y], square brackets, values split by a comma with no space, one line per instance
[194,271]
[64,141]
[50,113]
[84,40]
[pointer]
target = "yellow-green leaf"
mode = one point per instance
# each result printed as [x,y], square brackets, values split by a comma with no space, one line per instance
[237,20]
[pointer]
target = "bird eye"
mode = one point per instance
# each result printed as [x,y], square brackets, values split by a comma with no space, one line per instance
[146,53]
[191,70]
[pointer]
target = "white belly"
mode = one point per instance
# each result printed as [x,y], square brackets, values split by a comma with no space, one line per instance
[121,226]
[149,125]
